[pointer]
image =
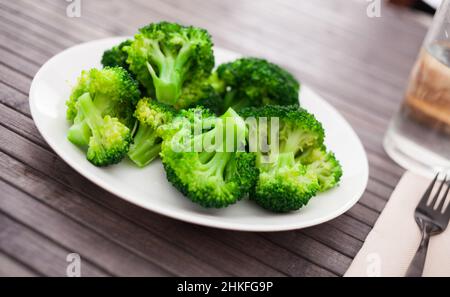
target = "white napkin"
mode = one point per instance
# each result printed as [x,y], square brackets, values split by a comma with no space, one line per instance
[392,243]
[433,3]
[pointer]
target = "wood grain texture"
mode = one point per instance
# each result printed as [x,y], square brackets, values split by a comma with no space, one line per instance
[47,210]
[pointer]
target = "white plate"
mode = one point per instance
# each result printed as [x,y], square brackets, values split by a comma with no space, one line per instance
[149,188]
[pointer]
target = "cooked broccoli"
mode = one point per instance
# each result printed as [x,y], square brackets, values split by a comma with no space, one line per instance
[147,143]
[255,82]
[113,92]
[212,176]
[200,93]
[324,165]
[116,56]
[110,138]
[284,185]
[167,57]
[300,168]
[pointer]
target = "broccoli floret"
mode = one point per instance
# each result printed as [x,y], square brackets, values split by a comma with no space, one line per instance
[324,165]
[167,57]
[284,185]
[116,56]
[110,138]
[113,92]
[200,93]
[300,167]
[151,115]
[255,82]
[210,177]
[298,129]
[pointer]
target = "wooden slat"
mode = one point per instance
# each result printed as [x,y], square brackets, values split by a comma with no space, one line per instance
[121,231]
[344,243]
[14,99]
[38,252]
[22,125]
[10,267]
[55,20]
[18,63]
[59,228]
[268,252]
[14,79]
[300,244]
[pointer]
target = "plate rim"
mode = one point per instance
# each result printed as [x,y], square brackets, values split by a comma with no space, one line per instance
[186,217]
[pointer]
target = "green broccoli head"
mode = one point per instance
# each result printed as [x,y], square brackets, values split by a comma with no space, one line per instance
[298,129]
[116,56]
[324,165]
[166,57]
[210,177]
[284,185]
[255,82]
[298,166]
[183,123]
[113,91]
[146,145]
[109,140]
[200,93]
[153,113]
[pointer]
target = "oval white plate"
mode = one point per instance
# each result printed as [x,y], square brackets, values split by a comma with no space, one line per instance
[149,188]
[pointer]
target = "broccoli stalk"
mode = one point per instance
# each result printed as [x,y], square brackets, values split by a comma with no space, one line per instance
[146,146]
[110,139]
[171,71]
[151,115]
[79,133]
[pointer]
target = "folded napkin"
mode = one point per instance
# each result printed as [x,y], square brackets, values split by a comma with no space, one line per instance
[393,241]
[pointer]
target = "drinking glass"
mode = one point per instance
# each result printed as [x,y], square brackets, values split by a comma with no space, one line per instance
[418,137]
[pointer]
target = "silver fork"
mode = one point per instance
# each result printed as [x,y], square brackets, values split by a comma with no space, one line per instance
[432,219]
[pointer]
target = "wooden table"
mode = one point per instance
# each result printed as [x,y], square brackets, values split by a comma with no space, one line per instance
[47,210]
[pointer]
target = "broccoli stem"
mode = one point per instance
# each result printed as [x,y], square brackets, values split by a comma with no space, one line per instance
[285,160]
[79,133]
[171,72]
[146,146]
[167,84]
[101,102]
[205,157]
[293,141]
[216,166]
[91,114]
[230,101]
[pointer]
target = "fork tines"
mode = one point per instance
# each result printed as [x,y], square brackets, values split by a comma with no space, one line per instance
[435,203]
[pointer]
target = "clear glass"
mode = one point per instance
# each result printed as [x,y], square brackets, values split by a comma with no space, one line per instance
[418,137]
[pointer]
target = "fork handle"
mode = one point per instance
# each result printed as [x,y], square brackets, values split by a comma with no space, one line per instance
[416,267]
